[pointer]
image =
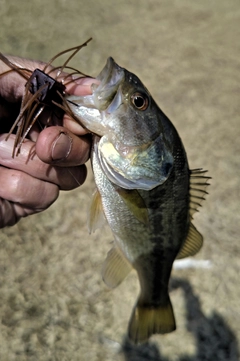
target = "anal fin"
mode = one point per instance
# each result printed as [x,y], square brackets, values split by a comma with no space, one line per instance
[192,244]
[115,268]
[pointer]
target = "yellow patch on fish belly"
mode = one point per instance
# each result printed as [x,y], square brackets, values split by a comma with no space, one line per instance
[109,150]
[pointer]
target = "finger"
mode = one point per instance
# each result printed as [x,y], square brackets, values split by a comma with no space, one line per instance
[57,145]
[34,132]
[25,190]
[80,86]
[13,84]
[27,161]
[10,213]
[8,216]
[73,126]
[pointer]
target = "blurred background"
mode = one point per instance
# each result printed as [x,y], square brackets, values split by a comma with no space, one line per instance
[53,303]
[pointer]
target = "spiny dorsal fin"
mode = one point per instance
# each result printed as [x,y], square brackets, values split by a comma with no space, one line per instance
[96,216]
[135,204]
[115,268]
[192,244]
[198,185]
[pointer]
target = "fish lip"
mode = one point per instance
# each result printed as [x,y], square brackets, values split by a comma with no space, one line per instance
[110,68]
[101,98]
[110,77]
[105,71]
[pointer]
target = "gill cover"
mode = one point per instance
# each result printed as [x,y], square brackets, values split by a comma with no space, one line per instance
[144,169]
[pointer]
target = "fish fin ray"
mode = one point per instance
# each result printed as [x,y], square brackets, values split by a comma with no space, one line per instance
[96,215]
[192,244]
[135,204]
[115,268]
[146,321]
[197,190]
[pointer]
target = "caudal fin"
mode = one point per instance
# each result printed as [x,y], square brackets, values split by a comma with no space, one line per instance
[146,321]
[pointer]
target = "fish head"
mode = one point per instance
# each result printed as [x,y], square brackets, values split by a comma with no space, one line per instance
[124,105]
[133,150]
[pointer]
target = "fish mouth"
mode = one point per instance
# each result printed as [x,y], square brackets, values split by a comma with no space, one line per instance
[110,78]
[111,74]
[89,109]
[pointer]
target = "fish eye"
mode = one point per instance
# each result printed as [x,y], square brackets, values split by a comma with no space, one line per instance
[140,101]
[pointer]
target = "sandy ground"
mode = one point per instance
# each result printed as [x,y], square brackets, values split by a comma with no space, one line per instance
[53,303]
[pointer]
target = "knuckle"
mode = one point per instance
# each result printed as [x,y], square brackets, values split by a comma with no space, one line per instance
[8,216]
[32,192]
[49,194]
[18,185]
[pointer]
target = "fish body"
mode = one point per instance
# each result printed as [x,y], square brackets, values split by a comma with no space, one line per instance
[143,187]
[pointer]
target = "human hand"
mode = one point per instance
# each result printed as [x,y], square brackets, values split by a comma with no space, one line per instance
[50,160]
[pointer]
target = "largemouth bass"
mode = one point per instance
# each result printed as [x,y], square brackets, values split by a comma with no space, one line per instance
[145,189]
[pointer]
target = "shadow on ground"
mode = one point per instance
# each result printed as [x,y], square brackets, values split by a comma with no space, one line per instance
[214,339]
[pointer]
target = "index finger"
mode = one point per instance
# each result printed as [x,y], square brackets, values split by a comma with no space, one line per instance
[81,87]
[13,84]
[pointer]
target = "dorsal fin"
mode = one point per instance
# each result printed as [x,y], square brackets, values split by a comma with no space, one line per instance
[198,185]
[192,244]
[115,268]
[96,216]
[135,204]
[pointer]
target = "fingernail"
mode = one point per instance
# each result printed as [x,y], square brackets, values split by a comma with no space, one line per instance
[61,147]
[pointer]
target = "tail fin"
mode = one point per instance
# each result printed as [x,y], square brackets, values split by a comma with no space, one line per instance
[146,321]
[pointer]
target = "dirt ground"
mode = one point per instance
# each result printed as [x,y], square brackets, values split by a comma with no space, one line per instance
[53,303]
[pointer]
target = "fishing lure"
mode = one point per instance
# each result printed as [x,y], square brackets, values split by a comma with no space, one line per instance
[43,92]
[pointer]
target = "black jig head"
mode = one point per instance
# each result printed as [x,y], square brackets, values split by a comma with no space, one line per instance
[48,88]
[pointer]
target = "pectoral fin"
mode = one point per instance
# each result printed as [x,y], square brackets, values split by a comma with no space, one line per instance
[96,216]
[115,268]
[192,244]
[135,204]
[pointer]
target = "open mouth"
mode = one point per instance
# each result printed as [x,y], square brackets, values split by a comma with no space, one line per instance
[106,72]
[105,95]
[110,74]
[110,78]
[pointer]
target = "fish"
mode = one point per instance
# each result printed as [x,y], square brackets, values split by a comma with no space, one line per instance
[144,189]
